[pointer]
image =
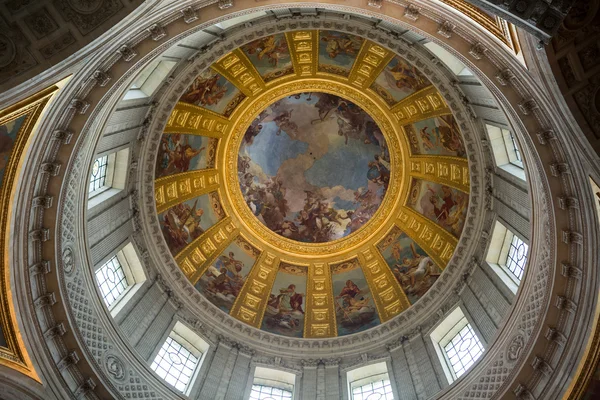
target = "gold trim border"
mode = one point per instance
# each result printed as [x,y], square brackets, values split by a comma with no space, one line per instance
[15,356]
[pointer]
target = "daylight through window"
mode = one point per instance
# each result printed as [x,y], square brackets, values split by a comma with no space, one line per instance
[261,392]
[378,390]
[463,350]
[111,280]
[98,177]
[517,257]
[175,364]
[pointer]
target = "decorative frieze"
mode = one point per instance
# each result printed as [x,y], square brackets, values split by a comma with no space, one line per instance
[194,120]
[449,171]
[371,60]
[390,300]
[174,189]
[251,302]
[424,104]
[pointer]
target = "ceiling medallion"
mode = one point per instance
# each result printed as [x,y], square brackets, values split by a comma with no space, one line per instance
[336,157]
[312,184]
[313,167]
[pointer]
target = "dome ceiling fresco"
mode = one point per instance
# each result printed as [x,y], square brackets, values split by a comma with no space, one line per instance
[289,167]
[312,184]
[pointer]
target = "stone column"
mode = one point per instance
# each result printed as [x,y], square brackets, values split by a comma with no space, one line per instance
[482,321]
[215,370]
[309,380]
[332,379]
[135,324]
[422,365]
[240,375]
[227,373]
[400,372]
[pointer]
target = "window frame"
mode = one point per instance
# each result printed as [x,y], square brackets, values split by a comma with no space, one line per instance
[498,255]
[134,273]
[117,172]
[265,375]
[445,331]
[369,374]
[506,149]
[252,389]
[192,342]
[448,339]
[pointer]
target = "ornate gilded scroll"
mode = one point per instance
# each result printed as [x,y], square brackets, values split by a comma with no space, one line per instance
[390,299]
[435,240]
[236,67]
[426,103]
[194,120]
[371,60]
[449,171]
[251,303]
[199,254]
[304,50]
[174,189]
[320,314]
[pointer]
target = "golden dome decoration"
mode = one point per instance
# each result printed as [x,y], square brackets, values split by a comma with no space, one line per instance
[312,184]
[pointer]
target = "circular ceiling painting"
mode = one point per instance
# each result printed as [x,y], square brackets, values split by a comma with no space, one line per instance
[313,167]
[312,184]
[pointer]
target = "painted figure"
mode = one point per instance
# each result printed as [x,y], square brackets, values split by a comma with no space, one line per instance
[205,91]
[294,192]
[181,225]
[175,154]
[337,44]
[270,48]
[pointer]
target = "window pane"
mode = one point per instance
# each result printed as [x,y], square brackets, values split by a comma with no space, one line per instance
[262,392]
[515,147]
[175,364]
[111,280]
[378,390]
[517,257]
[98,176]
[467,347]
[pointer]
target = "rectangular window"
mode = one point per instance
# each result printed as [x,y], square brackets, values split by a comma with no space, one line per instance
[98,176]
[505,149]
[507,256]
[120,278]
[515,148]
[380,389]
[273,384]
[176,364]
[463,350]
[517,257]
[456,343]
[262,392]
[370,382]
[111,280]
